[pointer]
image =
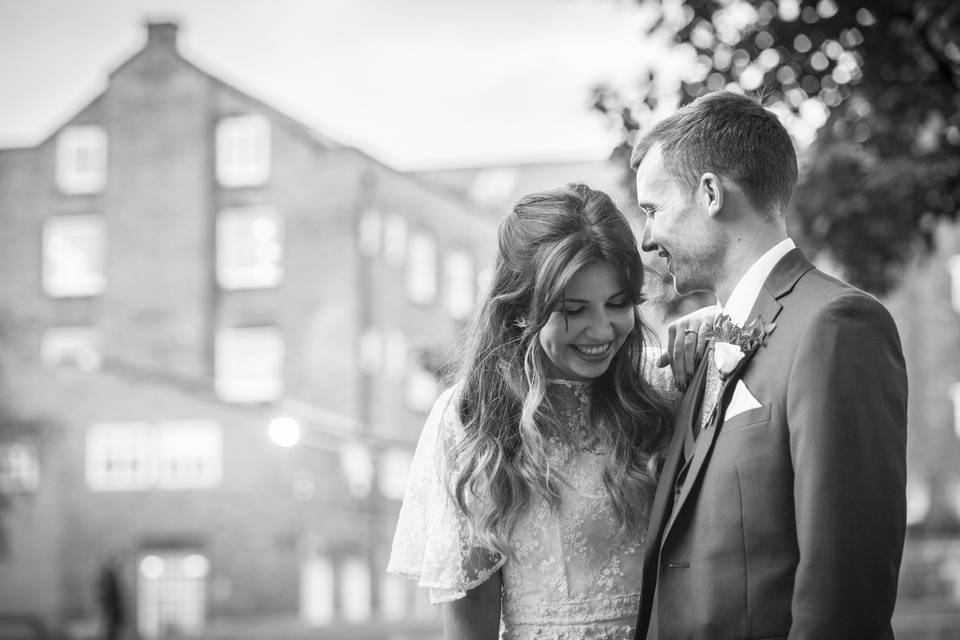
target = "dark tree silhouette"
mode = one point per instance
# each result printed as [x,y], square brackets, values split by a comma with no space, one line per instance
[883,78]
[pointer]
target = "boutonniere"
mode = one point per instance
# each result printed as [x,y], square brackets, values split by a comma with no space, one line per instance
[731,342]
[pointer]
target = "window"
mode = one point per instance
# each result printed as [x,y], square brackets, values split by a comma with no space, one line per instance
[394,469]
[19,470]
[118,457]
[422,268]
[71,346]
[165,455]
[243,151]
[249,248]
[171,593]
[394,240]
[355,592]
[316,590]
[249,364]
[357,465]
[73,256]
[371,351]
[370,233]
[421,388]
[953,265]
[458,284]
[81,160]
[393,597]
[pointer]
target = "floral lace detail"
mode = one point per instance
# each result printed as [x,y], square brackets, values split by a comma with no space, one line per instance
[574,574]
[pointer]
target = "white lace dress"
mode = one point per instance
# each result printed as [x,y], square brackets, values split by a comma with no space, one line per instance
[573,576]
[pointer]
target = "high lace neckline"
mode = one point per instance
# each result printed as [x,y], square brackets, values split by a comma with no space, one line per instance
[570,383]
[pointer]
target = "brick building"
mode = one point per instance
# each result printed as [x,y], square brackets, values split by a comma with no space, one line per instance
[180,265]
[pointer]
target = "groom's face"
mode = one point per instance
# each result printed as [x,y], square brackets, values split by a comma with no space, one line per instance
[675,226]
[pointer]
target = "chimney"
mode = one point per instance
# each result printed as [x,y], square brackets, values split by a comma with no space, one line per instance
[162,34]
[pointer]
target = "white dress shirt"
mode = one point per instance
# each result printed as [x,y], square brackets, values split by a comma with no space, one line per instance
[745,294]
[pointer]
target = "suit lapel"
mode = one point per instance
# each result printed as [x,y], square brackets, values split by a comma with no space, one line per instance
[767,306]
[663,500]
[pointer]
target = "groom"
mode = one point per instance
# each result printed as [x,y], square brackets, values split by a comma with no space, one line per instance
[780,511]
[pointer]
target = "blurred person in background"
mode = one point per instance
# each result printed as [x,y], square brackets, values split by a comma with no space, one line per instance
[527,503]
[781,506]
[110,598]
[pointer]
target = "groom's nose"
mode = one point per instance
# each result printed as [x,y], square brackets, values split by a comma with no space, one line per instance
[646,240]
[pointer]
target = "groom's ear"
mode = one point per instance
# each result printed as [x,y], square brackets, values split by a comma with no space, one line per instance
[710,193]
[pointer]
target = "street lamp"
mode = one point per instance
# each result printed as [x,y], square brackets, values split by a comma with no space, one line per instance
[284,431]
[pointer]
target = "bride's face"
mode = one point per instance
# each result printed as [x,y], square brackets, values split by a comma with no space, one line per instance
[589,325]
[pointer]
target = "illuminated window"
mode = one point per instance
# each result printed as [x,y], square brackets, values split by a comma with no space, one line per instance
[392,476]
[249,364]
[249,248]
[458,281]
[171,593]
[243,151]
[71,346]
[421,268]
[393,597]
[186,454]
[953,265]
[421,388]
[316,590]
[73,256]
[370,233]
[19,470]
[355,592]
[357,465]
[394,240]
[81,164]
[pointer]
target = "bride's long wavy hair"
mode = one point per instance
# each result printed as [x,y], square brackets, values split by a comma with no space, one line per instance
[503,405]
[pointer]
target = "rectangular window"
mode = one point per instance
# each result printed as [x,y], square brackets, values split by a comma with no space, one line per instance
[422,268]
[421,388]
[19,469]
[370,233]
[71,346]
[316,590]
[171,593]
[166,455]
[393,597]
[394,240]
[953,266]
[73,256]
[355,591]
[243,151]
[249,248]
[458,281]
[371,351]
[81,159]
[393,472]
[249,364]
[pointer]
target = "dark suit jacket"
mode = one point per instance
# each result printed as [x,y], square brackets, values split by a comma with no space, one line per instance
[790,522]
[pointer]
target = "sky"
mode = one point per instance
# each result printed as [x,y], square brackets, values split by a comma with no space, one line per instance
[419,84]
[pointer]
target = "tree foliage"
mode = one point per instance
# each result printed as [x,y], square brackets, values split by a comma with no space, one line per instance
[878,81]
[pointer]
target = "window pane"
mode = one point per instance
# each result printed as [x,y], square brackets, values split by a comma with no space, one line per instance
[394,240]
[81,165]
[458,279]
[249,248]
[73,256]
[243,151]
[118,457]
[355,589]
[421,388]
[188,454]
[316,590]
[370,231]
[19,470]
[393,597]
[394,469]
[422,268]
[171,593]
[371,351]
[72,346]
[249,364]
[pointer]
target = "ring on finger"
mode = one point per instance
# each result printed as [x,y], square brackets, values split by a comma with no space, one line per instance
[687,332]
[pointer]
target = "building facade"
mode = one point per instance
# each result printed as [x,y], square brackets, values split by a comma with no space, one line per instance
[181,265]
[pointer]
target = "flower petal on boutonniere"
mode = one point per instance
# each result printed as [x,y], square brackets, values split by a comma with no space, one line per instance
[727,356]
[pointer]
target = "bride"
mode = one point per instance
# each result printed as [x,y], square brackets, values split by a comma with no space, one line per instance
[526,507]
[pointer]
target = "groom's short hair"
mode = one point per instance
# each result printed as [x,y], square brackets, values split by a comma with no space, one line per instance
[730,135]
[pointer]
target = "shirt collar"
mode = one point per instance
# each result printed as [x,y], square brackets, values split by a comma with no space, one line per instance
[741,300]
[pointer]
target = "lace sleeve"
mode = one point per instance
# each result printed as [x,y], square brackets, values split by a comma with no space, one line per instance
[433,543]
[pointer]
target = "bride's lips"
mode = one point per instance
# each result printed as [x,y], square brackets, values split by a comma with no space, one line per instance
[593,352]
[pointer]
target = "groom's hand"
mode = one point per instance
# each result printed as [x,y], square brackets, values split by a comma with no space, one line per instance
[686,343]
